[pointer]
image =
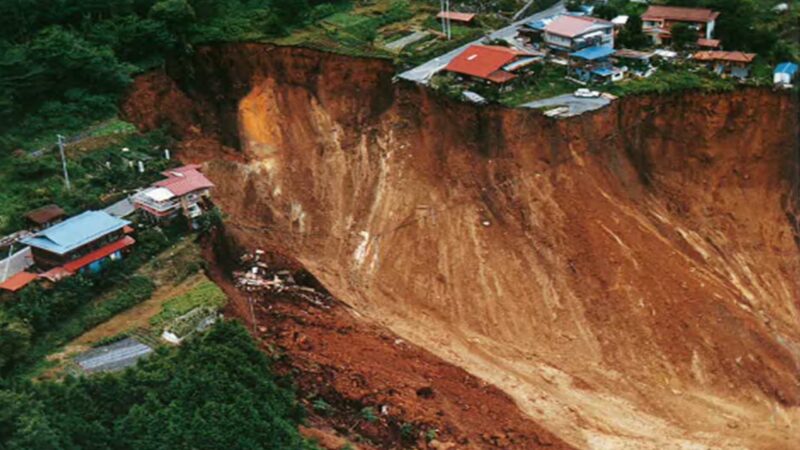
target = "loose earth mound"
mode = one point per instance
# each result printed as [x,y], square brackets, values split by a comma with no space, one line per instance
[631,278]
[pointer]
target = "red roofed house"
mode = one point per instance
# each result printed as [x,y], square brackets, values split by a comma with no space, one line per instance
[573,33]
[184,191]
[465,18]
[486,62]
[735,63]
[658,20]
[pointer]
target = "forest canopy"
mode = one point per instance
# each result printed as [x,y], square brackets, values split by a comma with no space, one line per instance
[215,392]
[63,63]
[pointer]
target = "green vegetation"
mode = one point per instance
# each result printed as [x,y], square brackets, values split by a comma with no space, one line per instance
[204,295]
[41,320]
[29,181]
[548,80]
[214,392]
[64,64]
[671,78]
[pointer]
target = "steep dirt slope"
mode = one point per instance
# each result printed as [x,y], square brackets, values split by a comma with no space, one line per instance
[631,277]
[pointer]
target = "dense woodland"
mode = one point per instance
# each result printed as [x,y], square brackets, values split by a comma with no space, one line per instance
[63,63]
[213,393]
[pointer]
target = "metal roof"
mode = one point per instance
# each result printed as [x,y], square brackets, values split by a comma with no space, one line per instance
[75,232]
[184,180]
[116,356]
[571,26]
[786,67]
[485,61]
[592,53]
[680,14]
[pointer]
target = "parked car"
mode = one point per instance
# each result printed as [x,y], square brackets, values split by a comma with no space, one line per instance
[586,93]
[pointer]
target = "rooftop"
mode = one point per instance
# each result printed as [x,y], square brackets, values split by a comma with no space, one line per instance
[485,61]
[75,232]
[456,16]
[183,180]
[725,56]
[571,26]
[786,67]
[18,281]
[45,214]
[680,14]
[593,53]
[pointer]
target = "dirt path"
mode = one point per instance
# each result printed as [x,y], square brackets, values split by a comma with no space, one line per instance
[138,316]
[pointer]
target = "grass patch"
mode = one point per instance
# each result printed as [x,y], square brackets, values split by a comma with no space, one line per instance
[29,182]
[205,294]
[546,81]
[673,78]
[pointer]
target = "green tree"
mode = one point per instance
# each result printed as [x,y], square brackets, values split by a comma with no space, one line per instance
[15,340]
[631,35]
[177,14]
[683,36]
[605,11]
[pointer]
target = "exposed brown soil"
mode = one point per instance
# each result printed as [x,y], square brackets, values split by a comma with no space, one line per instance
[630,277]
[334,355]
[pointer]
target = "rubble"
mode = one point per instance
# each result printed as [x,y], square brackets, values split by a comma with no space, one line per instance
[259,277]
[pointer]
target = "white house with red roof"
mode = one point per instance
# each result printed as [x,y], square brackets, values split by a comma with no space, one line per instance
[657,22]
[184,191]
[572,33]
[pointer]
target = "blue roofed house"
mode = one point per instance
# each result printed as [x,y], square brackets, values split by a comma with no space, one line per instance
[784,73]
[593,64]
[80,243]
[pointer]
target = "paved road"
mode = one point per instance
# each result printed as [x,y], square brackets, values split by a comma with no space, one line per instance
[122,208]
[423,73]
[577,105]
[406,40]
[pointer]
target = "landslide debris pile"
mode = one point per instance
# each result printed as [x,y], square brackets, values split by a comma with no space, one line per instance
[630,277]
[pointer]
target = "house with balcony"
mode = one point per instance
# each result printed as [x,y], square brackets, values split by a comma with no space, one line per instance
[574,33]
[185,191]
[82,243]
[657,22]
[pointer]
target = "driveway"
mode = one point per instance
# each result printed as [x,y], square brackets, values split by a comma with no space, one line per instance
[423,73]
[576,105]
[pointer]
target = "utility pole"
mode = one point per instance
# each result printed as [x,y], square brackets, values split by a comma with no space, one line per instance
[449,24]
[444,17]
[63,161]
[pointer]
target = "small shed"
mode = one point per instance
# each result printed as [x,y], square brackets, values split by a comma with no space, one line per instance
[460,17]
[113,357]
[784,73]
[45,216]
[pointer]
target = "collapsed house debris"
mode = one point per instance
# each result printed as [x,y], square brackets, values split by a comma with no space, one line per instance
[259,277]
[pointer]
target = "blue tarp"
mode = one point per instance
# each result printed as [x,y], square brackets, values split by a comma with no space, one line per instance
[75,232]
[603,72]
[786,67]
[593,53]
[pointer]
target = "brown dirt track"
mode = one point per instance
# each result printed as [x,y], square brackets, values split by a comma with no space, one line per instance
[631,278]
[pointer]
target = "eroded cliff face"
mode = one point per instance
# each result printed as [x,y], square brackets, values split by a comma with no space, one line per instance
[630,277]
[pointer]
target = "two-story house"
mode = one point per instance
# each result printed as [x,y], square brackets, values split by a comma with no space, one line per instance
[657,22]
[183,192]
[573,33]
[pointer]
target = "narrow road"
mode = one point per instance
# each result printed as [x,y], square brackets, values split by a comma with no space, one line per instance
[576,105]
[423,73]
